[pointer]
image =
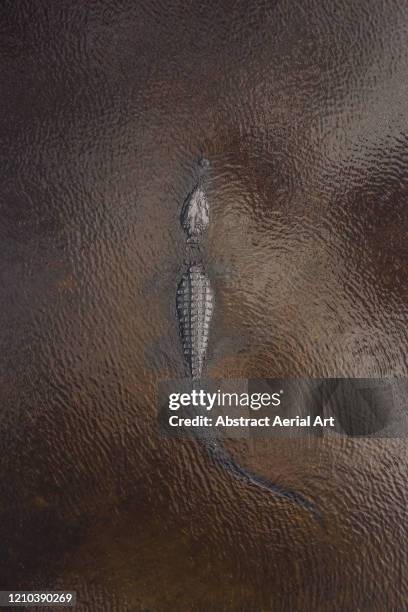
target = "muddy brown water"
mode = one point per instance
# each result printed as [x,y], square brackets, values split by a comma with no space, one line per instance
[105,109]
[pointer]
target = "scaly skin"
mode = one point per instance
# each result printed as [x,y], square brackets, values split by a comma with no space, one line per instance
[195,306]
